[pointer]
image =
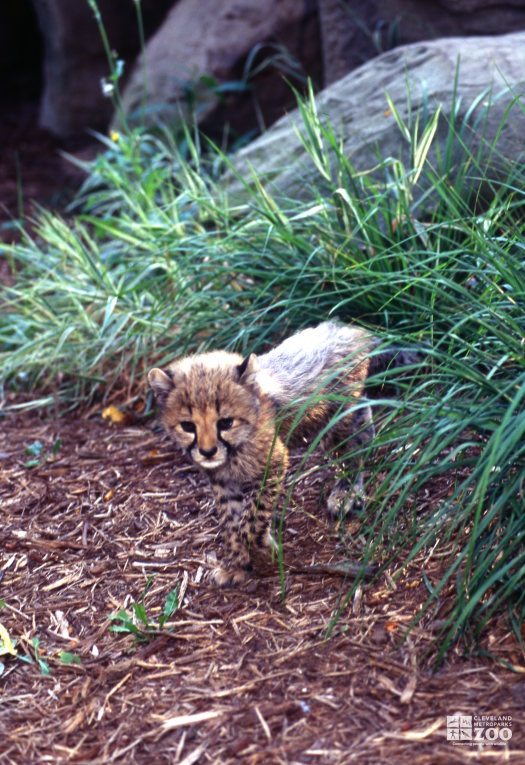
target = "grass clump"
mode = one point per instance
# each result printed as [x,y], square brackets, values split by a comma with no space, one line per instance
[155,260]
[137,622]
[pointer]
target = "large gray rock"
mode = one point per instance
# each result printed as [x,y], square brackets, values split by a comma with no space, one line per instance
[211,38]
[358,111]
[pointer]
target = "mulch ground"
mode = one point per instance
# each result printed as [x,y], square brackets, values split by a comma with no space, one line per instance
[236,675]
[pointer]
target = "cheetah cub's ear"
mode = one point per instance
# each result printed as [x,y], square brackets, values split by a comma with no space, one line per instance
[161,382]
[247,369]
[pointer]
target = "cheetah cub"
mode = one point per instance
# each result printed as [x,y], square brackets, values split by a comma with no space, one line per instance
[237,417]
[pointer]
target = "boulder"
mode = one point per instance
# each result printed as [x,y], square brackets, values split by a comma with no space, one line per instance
[349,34]
[207,42]
[75,60]
[355,31]
[203,44]
[491,74]
[216,39]
[415,20]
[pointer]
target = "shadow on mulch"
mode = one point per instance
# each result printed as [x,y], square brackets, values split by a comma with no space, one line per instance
[32,169]
[241,677]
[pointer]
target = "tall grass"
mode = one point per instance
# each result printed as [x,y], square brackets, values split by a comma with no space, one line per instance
[154,260]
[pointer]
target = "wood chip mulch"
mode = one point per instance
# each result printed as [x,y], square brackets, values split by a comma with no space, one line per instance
[236,675]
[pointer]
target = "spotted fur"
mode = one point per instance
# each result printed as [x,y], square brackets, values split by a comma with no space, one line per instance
[233,416]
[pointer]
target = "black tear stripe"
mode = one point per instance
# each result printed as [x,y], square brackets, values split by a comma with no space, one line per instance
[230,448]
[228,498]
[217,406]
[235,498]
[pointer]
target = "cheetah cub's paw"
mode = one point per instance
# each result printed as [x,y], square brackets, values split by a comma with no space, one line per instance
[346,498]
[224,577]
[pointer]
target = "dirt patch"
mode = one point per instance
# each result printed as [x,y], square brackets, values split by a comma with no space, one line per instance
[33,167]
[235,676]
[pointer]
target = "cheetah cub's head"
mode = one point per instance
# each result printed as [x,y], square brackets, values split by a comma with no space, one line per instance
[209,404]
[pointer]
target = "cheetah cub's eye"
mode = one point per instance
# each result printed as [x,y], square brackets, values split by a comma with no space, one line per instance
[188,427]
[225,423]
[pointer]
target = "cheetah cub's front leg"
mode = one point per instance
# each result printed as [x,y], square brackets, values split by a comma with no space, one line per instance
[348,495]
[244,522]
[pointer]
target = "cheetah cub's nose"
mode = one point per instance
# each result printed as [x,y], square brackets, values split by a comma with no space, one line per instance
[208,452]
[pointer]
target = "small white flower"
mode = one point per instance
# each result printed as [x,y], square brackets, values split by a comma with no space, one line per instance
[107,88]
